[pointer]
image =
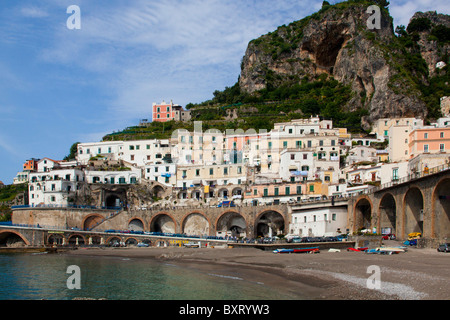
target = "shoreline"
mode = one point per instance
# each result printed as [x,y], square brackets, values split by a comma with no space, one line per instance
[419,274]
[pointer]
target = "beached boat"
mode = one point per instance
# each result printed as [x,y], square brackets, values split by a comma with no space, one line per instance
[283,251]
[357,249]
[385,250]
[307,250]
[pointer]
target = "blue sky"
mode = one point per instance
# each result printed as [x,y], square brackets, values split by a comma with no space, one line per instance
[59,86]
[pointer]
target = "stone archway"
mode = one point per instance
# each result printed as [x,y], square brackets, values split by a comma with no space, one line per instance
[76,240]
[362,214]
[91,221]
[163,223]
[413,207]
[136,224]
[269,223]
[195,224]
[56,239]
[441,210]
[10,238]
[231,224]
[388,213]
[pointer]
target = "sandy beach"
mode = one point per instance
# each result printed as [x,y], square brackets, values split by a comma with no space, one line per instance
[418,274]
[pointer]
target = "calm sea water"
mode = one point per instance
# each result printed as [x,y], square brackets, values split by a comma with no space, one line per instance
[43,276]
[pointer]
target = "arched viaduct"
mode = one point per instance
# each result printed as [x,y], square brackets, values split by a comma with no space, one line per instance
[413,205]
[243,221]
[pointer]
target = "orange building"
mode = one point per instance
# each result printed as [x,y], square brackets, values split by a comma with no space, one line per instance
[30,165]
[429,140]
[168,111]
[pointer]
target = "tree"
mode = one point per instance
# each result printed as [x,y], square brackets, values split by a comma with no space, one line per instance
[73,152]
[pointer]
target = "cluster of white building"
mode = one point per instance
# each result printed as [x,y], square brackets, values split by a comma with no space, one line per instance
[294,162]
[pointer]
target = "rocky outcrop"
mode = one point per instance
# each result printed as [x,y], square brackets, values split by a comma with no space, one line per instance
[336,41]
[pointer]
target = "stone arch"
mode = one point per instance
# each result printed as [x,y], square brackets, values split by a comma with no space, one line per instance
[112,201]
[195,224]
[440,216]
[388,212]
[92,220]
[131,241]
[231,223]
[136,224]
[95,240]
[362,213]
[158,191]
[413,214]
[269,223]
[76,240]
[223,193]
[163,222]
[113,240]
[10,237]
[56,239]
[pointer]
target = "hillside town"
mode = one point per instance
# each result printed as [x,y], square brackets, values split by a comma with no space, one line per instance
[297,162]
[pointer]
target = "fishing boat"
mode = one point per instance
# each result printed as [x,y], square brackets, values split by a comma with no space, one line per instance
[307,250]
[283,251]
[357,249]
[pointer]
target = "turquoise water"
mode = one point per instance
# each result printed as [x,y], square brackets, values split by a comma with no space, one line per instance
[44,276]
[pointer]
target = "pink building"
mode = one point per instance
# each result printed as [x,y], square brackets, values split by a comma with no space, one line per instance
[429,140]
[168,111]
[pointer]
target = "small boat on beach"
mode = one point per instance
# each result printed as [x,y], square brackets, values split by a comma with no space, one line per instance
[385,250]
[283,251]
[298,250]
[357,249]
[307,250]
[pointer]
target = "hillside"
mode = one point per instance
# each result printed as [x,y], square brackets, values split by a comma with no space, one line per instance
[330,64]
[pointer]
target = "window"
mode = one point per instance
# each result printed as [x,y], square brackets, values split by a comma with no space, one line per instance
[266,192]
[276,191]
[442,147]
[425,135]
[333,143]
[441,134]
[333,216]
[425,148]
[321,143]
[299,189]
[395,174]
[305,156]
[255,192]
[131,147]
[285,144]
[311,188]
[309,143]
[270,145]
[132,157]
[211,171]
[197,172]
[290,130]
[292,156]
[288,191]
[298,144]
[225,171]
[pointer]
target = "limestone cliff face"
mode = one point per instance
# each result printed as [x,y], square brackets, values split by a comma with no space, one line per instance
[336,41]
[430,49]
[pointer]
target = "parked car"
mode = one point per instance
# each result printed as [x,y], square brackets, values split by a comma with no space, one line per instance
[444,247]
[389,236]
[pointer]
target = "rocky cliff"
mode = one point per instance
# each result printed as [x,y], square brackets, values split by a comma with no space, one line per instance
[384,73]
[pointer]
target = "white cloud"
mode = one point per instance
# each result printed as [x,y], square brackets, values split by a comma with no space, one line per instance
[33,12]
